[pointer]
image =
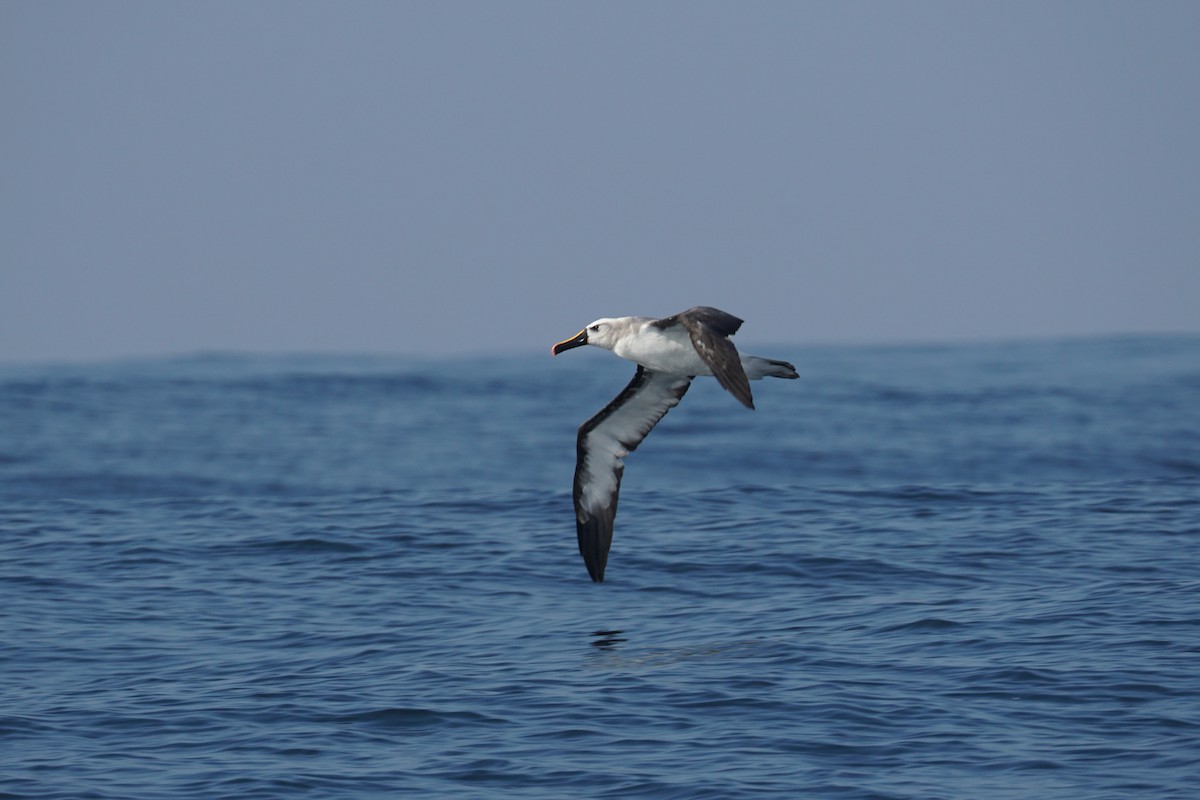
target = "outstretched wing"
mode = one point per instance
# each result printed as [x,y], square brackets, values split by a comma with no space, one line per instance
[709,329]
[604,441]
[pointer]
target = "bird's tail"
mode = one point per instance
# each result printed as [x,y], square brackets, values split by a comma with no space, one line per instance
[756,368]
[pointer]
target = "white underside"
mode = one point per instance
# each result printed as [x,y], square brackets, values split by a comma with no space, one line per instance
[671,352]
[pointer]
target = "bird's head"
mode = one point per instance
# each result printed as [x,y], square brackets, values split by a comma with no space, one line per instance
[601,333]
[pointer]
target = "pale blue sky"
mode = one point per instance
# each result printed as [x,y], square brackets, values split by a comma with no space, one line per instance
[462,177]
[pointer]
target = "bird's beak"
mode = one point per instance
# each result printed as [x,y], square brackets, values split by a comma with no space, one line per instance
[578,340]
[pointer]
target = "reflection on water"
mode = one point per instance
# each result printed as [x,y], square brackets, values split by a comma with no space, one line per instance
[607,640]
[609,655]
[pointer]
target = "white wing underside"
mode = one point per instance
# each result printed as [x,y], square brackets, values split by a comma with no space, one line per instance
[604,441]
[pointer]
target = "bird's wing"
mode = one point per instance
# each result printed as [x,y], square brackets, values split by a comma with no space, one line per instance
[604,441]
[709,329]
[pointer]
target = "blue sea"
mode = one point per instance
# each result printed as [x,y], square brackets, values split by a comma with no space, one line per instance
[962,571]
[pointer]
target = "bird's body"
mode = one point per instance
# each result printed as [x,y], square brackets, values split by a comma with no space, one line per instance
[666,350]
[669,352]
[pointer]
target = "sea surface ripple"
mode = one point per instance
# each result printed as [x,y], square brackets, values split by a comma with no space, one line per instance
[962,571]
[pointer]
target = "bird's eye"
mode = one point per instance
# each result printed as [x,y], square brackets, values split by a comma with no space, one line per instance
[593,327]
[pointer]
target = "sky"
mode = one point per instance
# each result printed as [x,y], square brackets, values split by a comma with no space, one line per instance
[462,178]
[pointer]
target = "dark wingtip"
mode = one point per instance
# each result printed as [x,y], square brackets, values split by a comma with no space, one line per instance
[595,538]
[744,396]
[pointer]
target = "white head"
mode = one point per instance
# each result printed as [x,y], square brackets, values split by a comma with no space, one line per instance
[603,332]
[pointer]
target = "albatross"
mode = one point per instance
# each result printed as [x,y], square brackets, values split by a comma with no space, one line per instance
[669,353]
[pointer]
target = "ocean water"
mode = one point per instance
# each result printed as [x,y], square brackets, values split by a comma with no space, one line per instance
[965,571]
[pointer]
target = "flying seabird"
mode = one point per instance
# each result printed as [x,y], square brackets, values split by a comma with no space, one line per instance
[669,352]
